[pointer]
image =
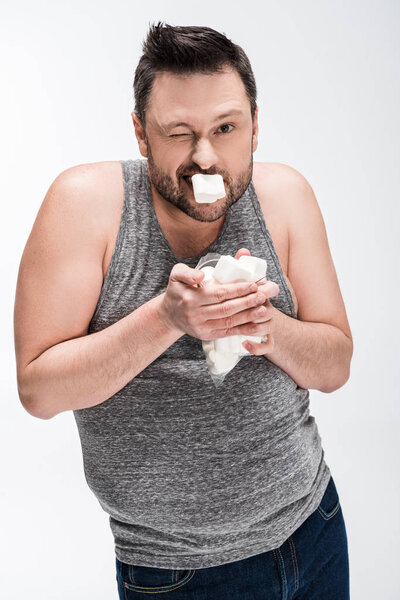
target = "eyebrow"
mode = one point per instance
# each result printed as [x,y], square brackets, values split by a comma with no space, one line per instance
[173,124]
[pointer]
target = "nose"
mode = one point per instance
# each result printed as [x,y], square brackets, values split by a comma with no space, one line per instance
[204,154]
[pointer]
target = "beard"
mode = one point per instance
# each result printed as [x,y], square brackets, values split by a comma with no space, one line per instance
[173,193]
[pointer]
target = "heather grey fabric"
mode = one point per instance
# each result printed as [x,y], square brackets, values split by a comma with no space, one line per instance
[190,475]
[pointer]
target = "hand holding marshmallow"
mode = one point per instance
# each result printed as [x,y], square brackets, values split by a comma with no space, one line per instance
[222,354]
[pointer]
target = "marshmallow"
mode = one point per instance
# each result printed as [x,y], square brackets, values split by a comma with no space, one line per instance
[208,345]
[208,188]
[221,363]
[208,274]
[257,265]
[229,270]
[232,343]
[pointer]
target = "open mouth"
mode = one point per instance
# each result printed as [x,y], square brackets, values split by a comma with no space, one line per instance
[188,179]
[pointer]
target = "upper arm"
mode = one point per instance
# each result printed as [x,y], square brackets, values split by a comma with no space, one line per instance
[311,269]
[60,274]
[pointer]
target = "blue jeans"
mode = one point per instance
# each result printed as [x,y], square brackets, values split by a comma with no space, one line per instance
[312,564]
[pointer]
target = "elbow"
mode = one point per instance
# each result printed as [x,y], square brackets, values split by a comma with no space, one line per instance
[345,372]
[39,414]
[29,399]
[337,386]
[32,407]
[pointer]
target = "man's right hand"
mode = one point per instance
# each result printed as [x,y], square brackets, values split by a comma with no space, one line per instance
[211,311]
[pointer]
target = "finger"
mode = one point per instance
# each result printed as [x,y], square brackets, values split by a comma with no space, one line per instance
[258,329]
[242,252]
[223,315]
[262,316]
[262,348]
[256,314]
[225,328]
[269,289]
[184,274]
[219,293]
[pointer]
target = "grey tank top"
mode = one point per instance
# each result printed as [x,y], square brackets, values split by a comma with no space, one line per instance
[194,476]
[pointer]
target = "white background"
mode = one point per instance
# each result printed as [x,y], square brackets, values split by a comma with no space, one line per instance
[328,84]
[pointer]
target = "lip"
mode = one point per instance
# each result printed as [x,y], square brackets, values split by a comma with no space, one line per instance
[188,180]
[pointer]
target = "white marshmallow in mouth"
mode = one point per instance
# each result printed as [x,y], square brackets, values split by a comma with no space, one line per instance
[208,188]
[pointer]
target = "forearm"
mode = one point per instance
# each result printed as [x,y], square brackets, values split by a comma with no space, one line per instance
[315,355]
[86,371]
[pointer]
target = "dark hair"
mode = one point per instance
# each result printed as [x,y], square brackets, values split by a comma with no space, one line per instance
[187,50]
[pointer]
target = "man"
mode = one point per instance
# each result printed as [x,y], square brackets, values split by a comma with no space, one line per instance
[222,490]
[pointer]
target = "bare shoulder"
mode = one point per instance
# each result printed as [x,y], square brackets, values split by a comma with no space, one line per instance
[291,192]
[279,181]
[95,182]
[91,172]
[285,194]
[99,190]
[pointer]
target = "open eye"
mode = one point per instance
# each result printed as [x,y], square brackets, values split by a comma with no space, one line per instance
[227,125]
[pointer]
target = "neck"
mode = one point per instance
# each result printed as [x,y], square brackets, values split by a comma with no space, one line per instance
[186,236]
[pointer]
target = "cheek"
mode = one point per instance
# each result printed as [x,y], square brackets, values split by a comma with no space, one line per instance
[166,166]
[238,150]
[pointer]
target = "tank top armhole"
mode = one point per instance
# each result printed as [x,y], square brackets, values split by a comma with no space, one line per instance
[275,258]
[112,268]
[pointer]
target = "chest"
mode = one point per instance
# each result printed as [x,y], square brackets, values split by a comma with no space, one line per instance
[273,211]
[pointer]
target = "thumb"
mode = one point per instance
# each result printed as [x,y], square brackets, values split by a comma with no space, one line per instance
[184,274]
[242,252]
[274,287]
[197,275]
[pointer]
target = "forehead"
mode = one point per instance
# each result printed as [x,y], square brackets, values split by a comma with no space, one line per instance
[182,96]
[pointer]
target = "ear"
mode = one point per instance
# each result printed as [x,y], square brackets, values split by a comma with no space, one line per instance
[254,138]
[140,134]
